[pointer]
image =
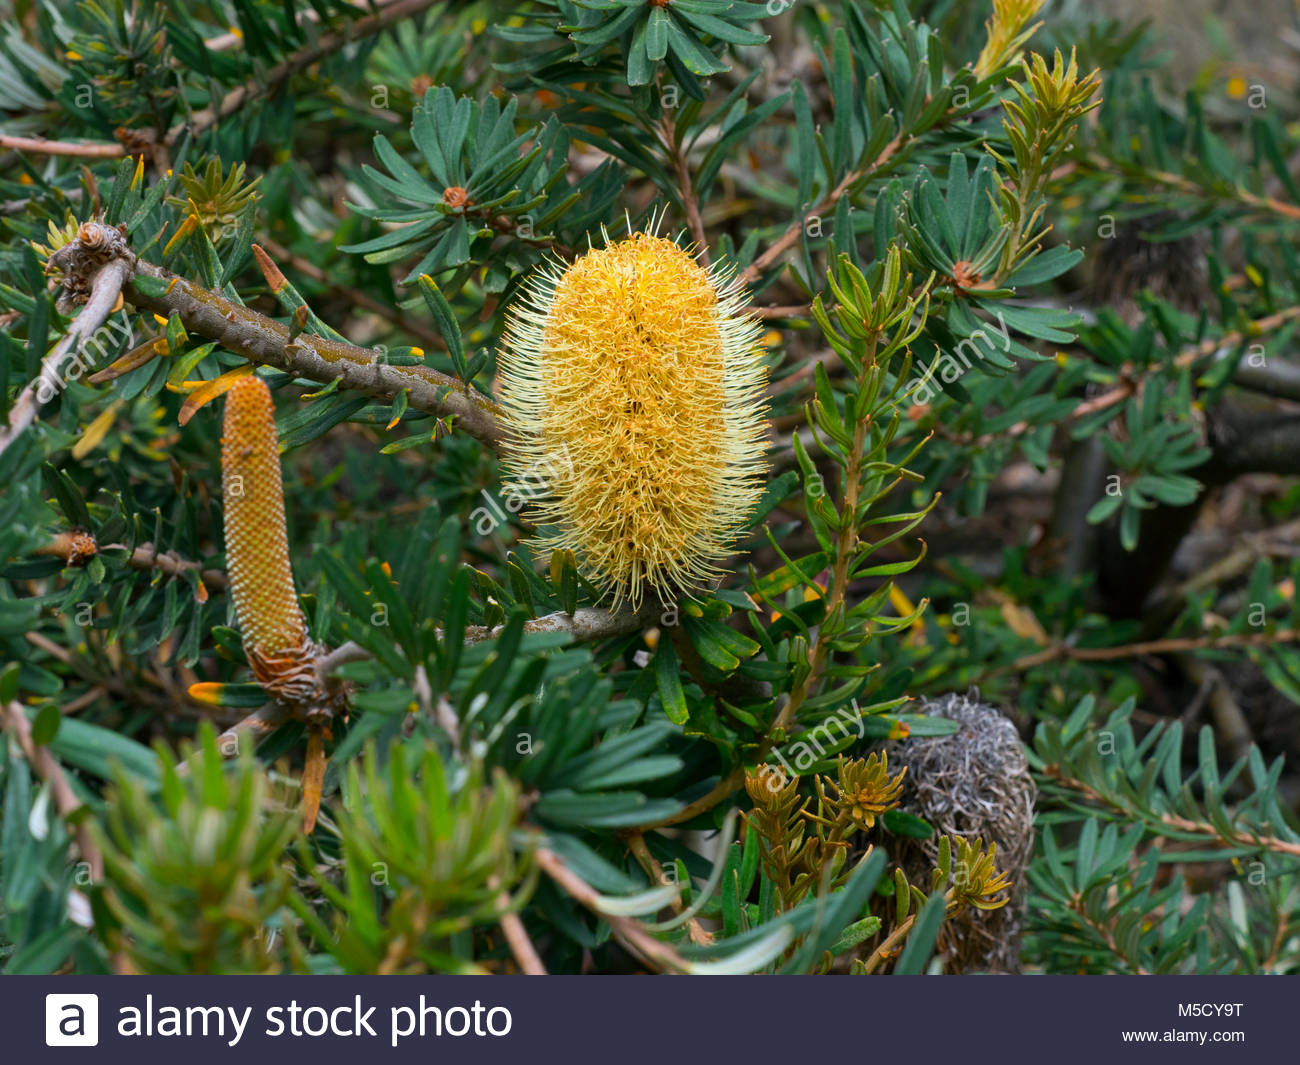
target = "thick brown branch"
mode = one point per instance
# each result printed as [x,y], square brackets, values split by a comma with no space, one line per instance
[585,623]
[390,314]
[77,548]
[264,340]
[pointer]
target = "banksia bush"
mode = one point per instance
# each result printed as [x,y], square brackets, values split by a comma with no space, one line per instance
[676,403]
[633,386]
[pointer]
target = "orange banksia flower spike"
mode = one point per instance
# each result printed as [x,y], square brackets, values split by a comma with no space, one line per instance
[633,387]
[271,622]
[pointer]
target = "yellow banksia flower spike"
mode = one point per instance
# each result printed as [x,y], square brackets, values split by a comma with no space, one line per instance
[271,622]
[632,384]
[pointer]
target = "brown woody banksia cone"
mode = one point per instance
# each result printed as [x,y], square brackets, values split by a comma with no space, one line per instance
[634,383]
[257,548]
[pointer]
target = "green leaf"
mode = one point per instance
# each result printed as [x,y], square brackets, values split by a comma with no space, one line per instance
[564,578]
[68,496]
[603,809]
[656,34]
[902,823]
[9,682]
[719,645]
[669,682]
[445,320]
[1045,266]
[46,725]
[799,573]
[920,940]
[95,749]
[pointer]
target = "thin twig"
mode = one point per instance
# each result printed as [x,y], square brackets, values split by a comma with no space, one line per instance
[318,49]
[627,931]
[1173,645]
[1188,357]
[387,13]
[147,557]
[1185,185]
[87,670]
[791,236]
[686,187]
[49,770]
[521,946]
[1236,838]
[42,146]
[792,310]
[260,722]
[341,656]
[78,547]
[886,950]
[637,845]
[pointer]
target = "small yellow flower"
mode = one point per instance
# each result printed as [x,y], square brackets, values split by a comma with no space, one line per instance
[633,391]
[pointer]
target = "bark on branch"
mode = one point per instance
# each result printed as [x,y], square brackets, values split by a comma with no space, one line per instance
[265,341]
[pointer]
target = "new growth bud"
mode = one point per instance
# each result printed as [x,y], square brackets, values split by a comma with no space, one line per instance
[272,624]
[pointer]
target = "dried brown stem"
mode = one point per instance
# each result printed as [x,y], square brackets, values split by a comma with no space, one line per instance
[790,237]
[521,946]
[1128,387]
[1173,645]
[388,12]
[261,722]
[637,845]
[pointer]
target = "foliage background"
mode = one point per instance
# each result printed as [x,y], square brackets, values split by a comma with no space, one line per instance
[1106,502]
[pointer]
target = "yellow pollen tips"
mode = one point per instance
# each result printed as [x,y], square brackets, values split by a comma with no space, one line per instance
[257,548]
[633,392]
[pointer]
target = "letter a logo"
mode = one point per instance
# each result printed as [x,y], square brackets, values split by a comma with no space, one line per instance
[71,1020]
